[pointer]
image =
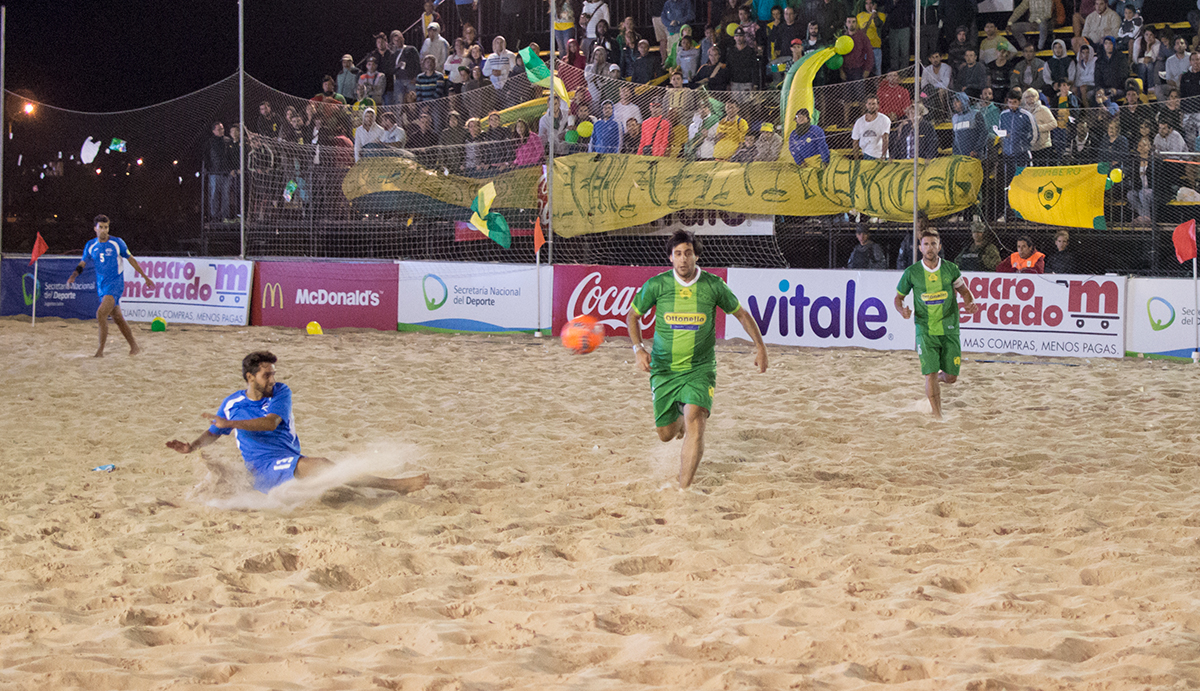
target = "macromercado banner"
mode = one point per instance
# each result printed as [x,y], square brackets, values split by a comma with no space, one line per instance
[1061,196]
[189,290]
[1162,317]
[822,308]
[457,296]
[55,298]
[333,294]
[600,193]
[606,293]
[1046,314]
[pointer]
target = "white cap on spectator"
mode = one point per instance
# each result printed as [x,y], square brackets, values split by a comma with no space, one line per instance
[433,26]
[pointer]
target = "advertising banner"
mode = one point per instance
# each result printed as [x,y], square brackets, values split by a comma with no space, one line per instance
[55,298]
[334,294]
[1046,314]
[606,293]
[455,296]
[189,290]
[822,308]
[1161,317]
[1054,315]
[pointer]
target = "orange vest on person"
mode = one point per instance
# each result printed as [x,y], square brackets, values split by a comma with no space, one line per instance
[1019,264]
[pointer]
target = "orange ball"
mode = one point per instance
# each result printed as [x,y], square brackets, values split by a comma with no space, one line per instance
[582,334]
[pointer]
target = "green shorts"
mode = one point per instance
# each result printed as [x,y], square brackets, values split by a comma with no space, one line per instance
[939,353]
[670,389]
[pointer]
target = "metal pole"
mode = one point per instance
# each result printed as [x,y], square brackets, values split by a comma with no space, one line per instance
[1196,287]
[3,112]
[33,315]
[916,123]
[551,107]
[537,272]
[242,122]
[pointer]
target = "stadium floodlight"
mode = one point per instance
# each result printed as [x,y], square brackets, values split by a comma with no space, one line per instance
[29,108]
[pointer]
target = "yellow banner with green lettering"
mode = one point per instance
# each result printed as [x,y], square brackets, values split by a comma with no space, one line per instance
[1071,196]
[599,193]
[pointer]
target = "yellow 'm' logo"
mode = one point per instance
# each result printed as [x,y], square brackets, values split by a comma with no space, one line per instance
[272,291]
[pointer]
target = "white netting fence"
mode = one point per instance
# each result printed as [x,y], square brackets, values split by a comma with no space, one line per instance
[171,185]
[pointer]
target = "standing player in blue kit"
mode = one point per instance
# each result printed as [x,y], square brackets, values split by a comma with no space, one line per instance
[106,252]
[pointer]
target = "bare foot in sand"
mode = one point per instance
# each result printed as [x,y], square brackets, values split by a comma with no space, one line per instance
[405,485]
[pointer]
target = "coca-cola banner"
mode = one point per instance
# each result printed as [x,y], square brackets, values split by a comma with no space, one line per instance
[606,293]
[333,294]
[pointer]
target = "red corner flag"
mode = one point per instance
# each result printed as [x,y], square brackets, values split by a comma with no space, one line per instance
[1185,241]
[40,247]
[539,239]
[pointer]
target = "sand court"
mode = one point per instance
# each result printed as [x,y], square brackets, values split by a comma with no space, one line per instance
[1046,535]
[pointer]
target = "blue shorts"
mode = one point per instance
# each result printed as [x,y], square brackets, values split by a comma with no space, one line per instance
[268,474]
[116,290]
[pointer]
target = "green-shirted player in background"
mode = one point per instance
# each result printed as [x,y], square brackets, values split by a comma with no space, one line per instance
[683,362]
[934,282]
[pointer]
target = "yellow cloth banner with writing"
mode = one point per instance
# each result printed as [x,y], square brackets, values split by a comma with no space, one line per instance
[1071,196]
[599,193]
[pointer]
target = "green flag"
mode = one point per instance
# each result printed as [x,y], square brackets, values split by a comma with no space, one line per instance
[539,74]
[489,222]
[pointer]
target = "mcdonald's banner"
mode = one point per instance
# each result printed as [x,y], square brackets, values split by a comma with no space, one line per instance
[600,193]
[334,294]
[1071,196]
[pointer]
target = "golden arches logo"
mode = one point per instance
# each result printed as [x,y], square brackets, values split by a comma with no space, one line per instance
[274,291]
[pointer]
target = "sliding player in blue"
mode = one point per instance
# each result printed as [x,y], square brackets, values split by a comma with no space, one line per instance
[260,418]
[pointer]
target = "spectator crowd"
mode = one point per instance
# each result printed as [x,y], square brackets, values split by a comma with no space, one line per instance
[1056,81]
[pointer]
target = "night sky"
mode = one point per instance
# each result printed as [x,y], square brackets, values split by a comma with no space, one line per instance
[107,56]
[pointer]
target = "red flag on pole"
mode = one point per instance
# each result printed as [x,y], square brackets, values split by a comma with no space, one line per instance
[1185,241]
[39,248]
[539,239]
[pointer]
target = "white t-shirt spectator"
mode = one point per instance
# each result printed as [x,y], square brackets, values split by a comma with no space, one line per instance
[939,78]
[394,136]
[497,67]
[598,10]
[1176,66]
[689,62]
[364,136]
[869,135]
[623,111]
[439,49]
[455,75]
[1172,142]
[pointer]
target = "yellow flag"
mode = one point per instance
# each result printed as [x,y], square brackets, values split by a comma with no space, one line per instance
[1071,196]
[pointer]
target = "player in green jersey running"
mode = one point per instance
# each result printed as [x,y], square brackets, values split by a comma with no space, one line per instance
[683,363]
[933,281]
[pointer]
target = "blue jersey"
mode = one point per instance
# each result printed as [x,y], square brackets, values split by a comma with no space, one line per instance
[262,451]
[110,276]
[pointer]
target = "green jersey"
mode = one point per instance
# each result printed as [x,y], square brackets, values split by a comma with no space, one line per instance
[685,332]
[935,304]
